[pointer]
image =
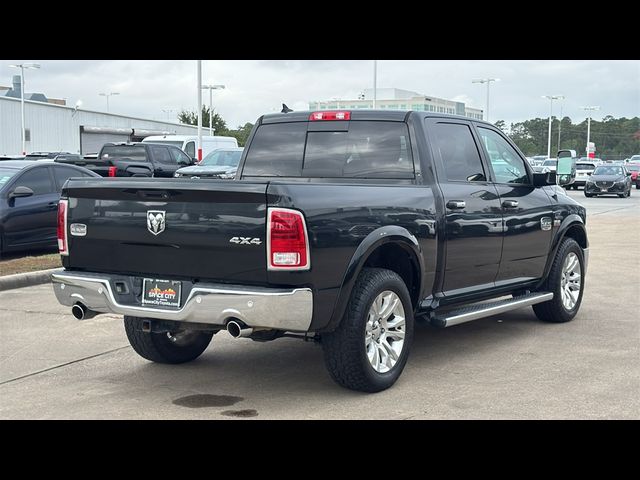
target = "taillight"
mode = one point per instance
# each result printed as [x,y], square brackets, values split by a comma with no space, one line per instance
[287,241]
[63,210]
[334,115]
[112,171]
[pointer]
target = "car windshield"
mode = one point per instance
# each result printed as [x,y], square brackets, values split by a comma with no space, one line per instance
[608,171]
[6,174]
[633,168]
[584,166]
[549,163]
[222,158]
[124,151]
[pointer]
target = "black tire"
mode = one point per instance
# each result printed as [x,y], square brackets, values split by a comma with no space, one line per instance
[344,349]
[554,311]
[160,348]
[622,195]
[588,195]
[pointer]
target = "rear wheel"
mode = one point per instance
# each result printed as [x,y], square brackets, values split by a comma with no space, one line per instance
[370,347]
[588,195]
[566,282]
[177,346]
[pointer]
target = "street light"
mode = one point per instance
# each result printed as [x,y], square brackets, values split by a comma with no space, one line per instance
[211,88]
[107,95]
[168,112]
[551,99]
[488,82]
[589,109]
[22,66]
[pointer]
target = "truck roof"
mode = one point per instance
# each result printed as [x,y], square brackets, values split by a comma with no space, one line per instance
[359,114]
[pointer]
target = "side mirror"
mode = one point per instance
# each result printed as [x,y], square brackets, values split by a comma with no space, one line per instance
[566,169]
[628,174]
[20,192]
[544,179]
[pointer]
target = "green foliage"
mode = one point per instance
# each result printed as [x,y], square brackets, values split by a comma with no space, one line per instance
[615,138]
[219,125]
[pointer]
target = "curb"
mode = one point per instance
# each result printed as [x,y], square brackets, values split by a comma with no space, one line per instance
[19,280]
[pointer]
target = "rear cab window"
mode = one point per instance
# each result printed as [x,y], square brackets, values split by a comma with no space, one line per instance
[354,149]
[136,153]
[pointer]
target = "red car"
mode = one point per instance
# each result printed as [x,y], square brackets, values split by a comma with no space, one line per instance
[634,168]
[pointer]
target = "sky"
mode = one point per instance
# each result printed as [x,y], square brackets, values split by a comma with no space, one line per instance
[158,89]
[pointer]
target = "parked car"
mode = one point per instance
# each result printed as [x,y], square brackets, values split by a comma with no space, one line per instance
[634,168]
[221,163]
[135,160]
[29,194]
[550,164]
[583,170]
[540,169]
[45,155]
[11,157]
[343,227]
[608,180]
[188,143]
[633,159]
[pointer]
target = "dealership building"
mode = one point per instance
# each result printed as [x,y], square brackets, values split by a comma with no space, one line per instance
[398,99]
[54,127]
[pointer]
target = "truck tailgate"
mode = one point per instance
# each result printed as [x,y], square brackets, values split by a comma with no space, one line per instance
[204,230]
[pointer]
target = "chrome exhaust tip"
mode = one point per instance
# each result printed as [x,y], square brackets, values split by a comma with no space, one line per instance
[238,329]
[81,312]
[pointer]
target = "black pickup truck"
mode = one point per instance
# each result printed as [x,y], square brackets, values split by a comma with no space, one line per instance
[134,160]
[343,227]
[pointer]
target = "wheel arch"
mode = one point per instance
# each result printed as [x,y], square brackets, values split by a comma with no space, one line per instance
[391,247]
[571,227]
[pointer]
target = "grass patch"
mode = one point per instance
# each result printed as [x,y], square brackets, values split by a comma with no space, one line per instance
[29,263]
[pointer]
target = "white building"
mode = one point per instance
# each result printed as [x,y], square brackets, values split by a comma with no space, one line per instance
[51,128]
[398,99]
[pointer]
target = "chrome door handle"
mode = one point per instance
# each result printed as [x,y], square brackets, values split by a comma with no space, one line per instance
[456,204]
[510,204]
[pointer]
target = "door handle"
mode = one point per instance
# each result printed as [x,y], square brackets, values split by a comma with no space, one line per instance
[510,204]
[456,204]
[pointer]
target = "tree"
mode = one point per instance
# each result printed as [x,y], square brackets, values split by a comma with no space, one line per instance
[219,125]
[501,124]
[190,118]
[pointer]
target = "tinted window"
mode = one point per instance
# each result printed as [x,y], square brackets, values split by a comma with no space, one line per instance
[37,179]
[6,174]
[180,157]
[633,168]
[549,163]
[367,150]
[161,154]
[62,174]
[277,150]
[507,165]
[132,152]
[457,149]
[584,166]
[190,149]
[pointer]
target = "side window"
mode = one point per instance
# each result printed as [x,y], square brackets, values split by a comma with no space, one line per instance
[190,149]
[179,157]
[62,174]
[37,179]
[507,165]
[458,152]
[161,154]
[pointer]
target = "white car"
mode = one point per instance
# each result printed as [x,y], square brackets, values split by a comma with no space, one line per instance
[551,164]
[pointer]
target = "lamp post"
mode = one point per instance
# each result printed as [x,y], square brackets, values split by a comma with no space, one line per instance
[211,88]
[375,83]
[488,82]
[551,99]
[22,66]
[589,109]
[199,80]
[168,111]
[559,125]
[107,95]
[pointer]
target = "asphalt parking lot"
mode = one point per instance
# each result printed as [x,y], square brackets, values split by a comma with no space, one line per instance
[508,366]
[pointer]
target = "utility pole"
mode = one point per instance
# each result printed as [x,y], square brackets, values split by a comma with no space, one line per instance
[375,83]
[199,75]
[589,109]
[551,99]
[560,126]
[488,82]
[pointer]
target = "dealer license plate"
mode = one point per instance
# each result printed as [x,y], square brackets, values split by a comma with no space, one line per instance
[161,293]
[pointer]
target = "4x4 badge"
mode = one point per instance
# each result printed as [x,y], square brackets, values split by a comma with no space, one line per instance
[155,221]
[545,223]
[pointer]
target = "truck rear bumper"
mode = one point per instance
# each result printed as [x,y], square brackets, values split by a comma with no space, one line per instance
[215,304]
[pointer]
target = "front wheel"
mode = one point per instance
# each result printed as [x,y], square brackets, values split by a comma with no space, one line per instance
[566,281]
[370,347]
[177,346]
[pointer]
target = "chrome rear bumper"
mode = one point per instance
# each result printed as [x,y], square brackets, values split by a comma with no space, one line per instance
[215,304]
